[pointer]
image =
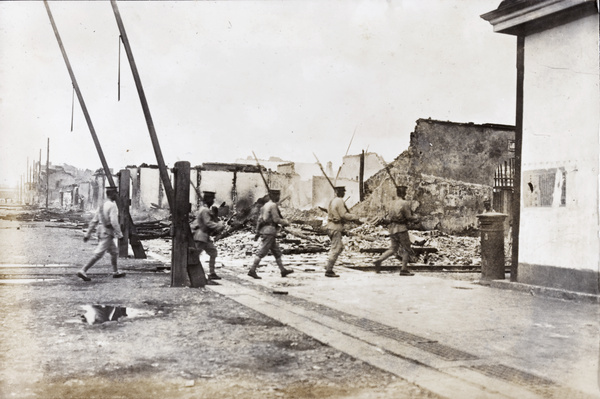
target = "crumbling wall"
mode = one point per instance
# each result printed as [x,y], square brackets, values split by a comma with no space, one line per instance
[442,204]
[448,169]
[249,188]
[305,170]
[149,187]
[460,151]
[219,181]
[134,188]
[350,168]
[86,196]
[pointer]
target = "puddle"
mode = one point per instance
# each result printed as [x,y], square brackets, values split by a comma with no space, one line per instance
[98,314]
[24,280]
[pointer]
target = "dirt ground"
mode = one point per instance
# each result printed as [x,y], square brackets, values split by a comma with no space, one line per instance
[177,342]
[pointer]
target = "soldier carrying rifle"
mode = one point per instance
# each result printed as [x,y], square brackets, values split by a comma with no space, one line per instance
[337,214]
[398,216]
[267,226]
[205,225]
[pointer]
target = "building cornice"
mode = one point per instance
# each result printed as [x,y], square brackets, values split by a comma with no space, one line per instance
[526,17]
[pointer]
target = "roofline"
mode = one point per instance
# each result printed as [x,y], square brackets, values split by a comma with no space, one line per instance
[527,17]
[488,125]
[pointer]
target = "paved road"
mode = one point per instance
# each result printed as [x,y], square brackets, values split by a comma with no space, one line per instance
[454,338]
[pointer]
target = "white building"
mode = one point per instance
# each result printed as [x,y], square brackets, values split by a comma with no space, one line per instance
[558,115]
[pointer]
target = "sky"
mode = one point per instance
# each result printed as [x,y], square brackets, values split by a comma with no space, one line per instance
[226,78]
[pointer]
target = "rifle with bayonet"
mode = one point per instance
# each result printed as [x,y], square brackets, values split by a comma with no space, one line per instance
[295,233]
[387,169]
[330,183]
[323,171]
[384,220]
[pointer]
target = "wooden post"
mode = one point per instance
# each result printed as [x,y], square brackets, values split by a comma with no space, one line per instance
[198,279]
[516,204]
[186,269]
[39,175]
[124,214]
[27,183]
[47,171]
[361,177]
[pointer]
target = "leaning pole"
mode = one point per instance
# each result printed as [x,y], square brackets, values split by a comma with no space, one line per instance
[136,245]
[183,256]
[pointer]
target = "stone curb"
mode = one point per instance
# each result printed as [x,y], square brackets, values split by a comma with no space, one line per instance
[537,290]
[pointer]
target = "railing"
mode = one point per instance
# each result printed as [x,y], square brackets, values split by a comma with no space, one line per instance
[504,175]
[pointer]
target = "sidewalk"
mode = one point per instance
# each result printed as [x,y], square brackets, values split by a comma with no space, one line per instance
[455,338]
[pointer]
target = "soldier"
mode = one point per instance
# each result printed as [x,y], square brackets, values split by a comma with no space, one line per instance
[206,225]
[267,226]
[398,216]
[107,217]
[336,216]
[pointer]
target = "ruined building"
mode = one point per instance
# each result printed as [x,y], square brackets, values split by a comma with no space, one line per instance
[449,169]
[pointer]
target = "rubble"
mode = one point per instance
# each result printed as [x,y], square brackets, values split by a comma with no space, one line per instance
[34,214]
[305,235]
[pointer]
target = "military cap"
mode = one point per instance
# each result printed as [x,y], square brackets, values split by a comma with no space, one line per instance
[208,194]
[274,192]
[111,189]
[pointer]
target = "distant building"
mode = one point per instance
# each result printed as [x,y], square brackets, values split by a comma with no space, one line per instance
[62,186]
[350,168]
[9,195]
[557,121]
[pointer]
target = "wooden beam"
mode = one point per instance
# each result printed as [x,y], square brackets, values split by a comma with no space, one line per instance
[186,269]
[516,204]
[124,214]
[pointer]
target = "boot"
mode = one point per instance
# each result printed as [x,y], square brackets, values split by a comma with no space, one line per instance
[377,264]
[329,269]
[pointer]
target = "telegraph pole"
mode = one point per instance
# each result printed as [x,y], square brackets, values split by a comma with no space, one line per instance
[184,258]
[39,176]
[47,171]
[136,245]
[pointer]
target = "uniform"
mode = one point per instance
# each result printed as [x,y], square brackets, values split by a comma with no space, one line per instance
[399,215]
[337,214]
[207,225]
[106,220]
[267,227]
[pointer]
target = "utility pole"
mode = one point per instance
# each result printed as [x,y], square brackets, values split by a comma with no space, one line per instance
[361,177]
[39,176]
[27,186]
[47,171]
[516,200]
[181,239]
[136,245]
[162,168]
